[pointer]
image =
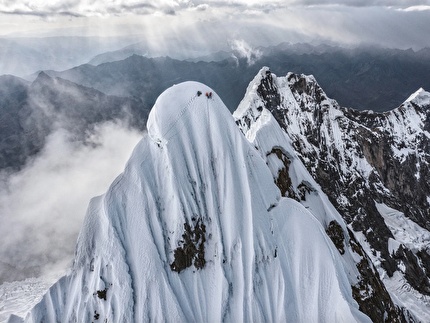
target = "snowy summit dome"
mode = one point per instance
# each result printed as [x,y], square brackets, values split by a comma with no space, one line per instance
[179,101]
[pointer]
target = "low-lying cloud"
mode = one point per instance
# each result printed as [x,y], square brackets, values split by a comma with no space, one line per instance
[42,207]
[241,49]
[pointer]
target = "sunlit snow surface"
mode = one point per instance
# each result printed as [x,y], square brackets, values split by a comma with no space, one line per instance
[19,297]
[267,257]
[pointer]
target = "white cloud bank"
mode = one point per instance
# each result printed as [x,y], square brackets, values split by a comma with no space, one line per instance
[210,24]
[42,207]
[86,8]
[241,49]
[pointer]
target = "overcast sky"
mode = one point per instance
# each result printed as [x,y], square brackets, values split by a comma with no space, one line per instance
[391,23]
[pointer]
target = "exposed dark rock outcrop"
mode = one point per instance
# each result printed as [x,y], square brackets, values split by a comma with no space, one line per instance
[362,160]
[370,293]
[191,250]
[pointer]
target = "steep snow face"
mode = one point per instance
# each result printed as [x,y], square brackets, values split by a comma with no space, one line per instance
[195,230]
[357,158]
[420,98]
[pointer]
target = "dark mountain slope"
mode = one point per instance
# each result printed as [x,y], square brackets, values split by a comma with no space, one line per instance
[362,78]
[32,111]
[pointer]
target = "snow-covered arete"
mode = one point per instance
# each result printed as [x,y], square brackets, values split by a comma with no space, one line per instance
[195,183]
[364,161]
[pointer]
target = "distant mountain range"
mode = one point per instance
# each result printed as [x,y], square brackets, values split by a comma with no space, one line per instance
[23,56]
[363,79]
[31,111]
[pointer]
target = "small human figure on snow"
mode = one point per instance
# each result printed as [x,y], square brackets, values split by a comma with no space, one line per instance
[209,95]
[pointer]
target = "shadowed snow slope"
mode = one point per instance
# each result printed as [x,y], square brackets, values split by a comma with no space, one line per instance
[195,230]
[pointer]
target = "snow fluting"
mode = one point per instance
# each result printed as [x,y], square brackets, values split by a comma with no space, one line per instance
[196,230]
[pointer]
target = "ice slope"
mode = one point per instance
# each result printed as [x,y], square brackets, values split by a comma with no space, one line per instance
[195,183]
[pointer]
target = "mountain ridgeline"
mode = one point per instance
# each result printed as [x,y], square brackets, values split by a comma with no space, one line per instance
[362,78]
[126,86]
[372,166]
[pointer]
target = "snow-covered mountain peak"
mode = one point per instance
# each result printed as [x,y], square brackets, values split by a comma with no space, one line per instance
[420,98]
[196,230]
[306,90]
[177,103]
[249,113]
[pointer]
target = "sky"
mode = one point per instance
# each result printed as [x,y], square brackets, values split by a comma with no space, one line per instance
[392,23]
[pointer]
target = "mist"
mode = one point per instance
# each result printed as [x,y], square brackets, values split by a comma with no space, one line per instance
[241,49]
[43,205]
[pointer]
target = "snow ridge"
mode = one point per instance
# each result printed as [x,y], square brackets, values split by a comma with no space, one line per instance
[357,158]
[195,230]
[420,97]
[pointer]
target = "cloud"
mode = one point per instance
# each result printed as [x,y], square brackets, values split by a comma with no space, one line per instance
[87,8]
[417,8]
[266,22]
[42,206]
[363,3]
[241,49]
[81,8]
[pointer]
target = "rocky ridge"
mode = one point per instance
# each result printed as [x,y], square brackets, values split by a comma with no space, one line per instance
[371,165]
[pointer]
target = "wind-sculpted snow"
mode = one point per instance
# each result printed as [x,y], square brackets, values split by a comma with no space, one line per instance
[195,183]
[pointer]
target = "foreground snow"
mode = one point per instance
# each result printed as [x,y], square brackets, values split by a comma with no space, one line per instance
[195,186]
[19,297]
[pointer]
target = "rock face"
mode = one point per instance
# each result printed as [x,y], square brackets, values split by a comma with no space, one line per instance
[373,168]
